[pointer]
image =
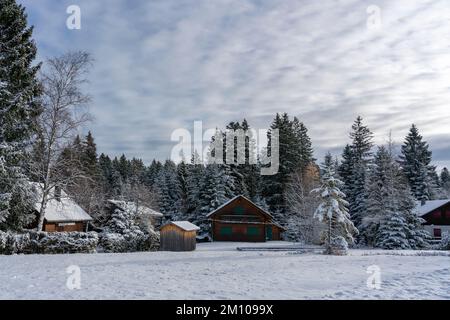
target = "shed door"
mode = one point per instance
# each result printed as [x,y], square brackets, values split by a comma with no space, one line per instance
[269,234]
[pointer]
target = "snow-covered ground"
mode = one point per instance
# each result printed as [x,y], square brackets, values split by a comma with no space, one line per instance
[218,271]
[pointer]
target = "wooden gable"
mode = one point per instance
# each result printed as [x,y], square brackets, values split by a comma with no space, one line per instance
[240,208]
[438,216]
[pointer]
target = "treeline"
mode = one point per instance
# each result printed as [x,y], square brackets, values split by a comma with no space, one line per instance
[189,190]
[382,187]
[39,118]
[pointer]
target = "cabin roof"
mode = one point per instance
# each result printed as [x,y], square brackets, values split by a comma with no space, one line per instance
[430,206]
[273,222]
[185,225]
[234,199]
[131,207]
[63,210]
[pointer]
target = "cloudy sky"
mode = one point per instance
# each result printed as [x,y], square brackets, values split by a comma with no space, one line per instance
[162,64]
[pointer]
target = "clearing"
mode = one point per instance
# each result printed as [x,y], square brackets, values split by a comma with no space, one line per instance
[219,271]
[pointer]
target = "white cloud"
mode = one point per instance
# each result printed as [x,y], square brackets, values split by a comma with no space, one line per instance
[163,64]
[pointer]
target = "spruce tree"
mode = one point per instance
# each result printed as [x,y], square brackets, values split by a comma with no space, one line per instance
[345,170]
[381,193]
[194,186]
[169,191]
[183,177]
[295,152]
[304,145]
[89,158]
[391,221]
[19,109]
[152,172]
[415,160]
[445,181]
[333,212]
[354,169]
[215,191]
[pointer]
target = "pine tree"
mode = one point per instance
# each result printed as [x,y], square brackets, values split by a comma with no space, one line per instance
[295,152]
[194,186]
[152,173]
[215,191]
[346,169]
[392,233]
[445,181]
[304,145]
[354,169]
[415,161]
[19,109]
[381,193]
[169,191]
[391,221]
[89,159]
[124,167]
[183,177]
[106,173]
[333,212]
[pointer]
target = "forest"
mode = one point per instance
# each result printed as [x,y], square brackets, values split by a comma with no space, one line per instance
[43,108]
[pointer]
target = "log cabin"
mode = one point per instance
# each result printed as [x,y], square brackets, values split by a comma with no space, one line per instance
[436,214]
[62,214]
[240,219]
[178,236]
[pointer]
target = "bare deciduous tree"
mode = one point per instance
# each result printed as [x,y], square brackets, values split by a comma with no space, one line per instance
[301,223]
[64,111]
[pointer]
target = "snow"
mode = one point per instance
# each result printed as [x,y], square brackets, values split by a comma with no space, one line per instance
[218,271]
[131,207]
[63,210]
[430,206]
[185,225]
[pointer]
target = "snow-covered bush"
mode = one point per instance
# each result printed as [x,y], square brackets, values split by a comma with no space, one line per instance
[338,246]
[67,242]
[445,242]
[11,243]
[123,234]
[48,243]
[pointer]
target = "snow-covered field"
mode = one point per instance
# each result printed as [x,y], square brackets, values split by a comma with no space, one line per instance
[218,271]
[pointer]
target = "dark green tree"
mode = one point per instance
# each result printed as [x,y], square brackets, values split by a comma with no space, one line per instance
[19,109]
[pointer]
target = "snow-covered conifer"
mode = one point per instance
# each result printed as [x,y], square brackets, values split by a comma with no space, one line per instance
[333,212]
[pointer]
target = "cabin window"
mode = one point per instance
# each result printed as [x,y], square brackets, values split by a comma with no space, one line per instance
[437,233]
[239,210]
[253,231]
[226,231]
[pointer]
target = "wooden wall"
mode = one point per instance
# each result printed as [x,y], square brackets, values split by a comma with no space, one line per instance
[174,238]
[439,216]
[243,221]
[55,227]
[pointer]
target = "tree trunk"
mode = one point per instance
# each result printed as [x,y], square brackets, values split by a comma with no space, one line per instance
[40,225]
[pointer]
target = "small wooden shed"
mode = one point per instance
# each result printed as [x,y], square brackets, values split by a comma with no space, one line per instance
[178,236]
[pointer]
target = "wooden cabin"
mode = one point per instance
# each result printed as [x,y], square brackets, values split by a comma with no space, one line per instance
[240,219]
[178,236]
[62,214]
[436,214]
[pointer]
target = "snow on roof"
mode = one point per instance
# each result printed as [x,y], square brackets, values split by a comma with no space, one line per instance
[131,207]
[430,206]
[230,201]
[63,210]
[185,225]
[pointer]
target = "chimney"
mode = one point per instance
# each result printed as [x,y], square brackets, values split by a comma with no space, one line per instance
[58,193]
[423,202]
